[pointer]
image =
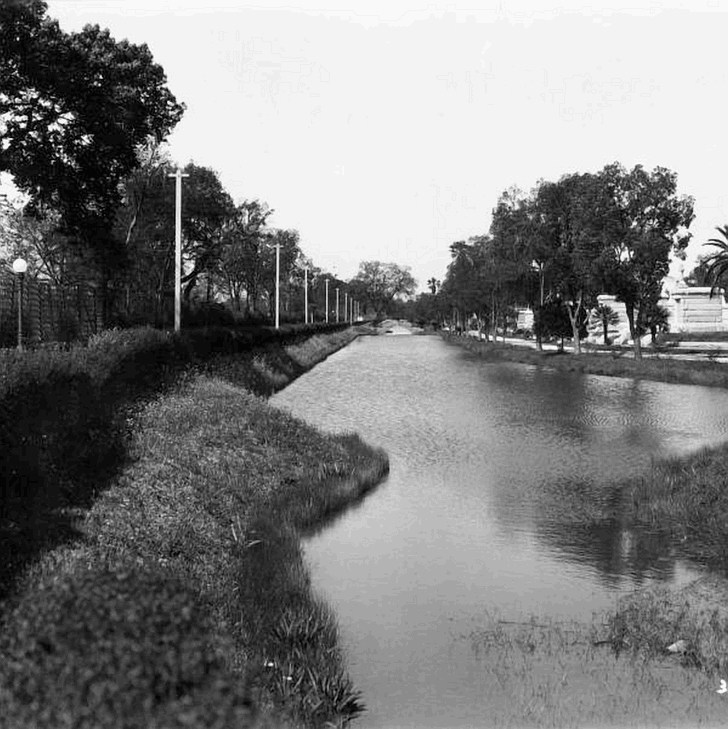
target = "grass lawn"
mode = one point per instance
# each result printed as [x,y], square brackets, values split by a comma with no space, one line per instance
[665,369]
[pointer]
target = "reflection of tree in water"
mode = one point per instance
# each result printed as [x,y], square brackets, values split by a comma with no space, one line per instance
[585,524]
[551,398]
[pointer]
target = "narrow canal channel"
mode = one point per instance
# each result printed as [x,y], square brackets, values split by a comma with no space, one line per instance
[477,516]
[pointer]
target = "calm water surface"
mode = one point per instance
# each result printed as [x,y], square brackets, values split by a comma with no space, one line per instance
[473,521]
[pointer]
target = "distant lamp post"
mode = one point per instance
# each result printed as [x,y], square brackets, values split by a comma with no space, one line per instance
[178,248]
[327,301]
[305,296]
[20,266]
[337,304]
[278,285]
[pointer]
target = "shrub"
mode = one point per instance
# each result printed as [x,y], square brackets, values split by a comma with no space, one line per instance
[115,648]
[208,314]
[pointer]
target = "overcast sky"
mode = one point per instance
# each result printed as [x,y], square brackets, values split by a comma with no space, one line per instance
[387,130]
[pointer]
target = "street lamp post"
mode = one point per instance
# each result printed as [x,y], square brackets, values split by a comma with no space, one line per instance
[346,305]
[278,285]
[20,267]
[327,301]
[337,304]
[178,248]
[305,296]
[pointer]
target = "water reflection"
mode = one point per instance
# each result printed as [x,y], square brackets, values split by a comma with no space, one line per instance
[501,496]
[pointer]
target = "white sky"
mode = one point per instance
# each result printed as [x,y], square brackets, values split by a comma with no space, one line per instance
[387,130]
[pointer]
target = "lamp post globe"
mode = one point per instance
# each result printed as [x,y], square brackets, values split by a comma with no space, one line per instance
[20,266]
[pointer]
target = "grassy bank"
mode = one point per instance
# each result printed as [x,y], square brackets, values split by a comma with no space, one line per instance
[710,374]
[65,416]
[180,597]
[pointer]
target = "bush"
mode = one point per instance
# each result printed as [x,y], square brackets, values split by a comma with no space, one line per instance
[208,314]
[115,648]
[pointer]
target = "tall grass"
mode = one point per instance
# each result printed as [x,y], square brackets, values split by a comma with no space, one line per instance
[556,673]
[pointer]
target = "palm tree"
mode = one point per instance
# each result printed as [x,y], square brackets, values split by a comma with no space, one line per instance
[717,262]
[608,317]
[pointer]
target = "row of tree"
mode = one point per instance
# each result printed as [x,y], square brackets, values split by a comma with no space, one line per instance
[564,243]
[83,119]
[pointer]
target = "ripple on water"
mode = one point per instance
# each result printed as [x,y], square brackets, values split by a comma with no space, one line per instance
[498,499]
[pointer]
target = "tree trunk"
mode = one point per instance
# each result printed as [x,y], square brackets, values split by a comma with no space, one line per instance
[574,320]
[633,332]
[493,326]
[605,329]
[539,342]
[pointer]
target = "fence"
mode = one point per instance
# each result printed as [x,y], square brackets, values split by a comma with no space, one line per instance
[50,313]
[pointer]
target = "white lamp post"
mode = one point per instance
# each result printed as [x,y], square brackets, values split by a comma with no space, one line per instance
[305,297]
[178,248]
[337,304]
[20,266]
[327,301]
[278,285]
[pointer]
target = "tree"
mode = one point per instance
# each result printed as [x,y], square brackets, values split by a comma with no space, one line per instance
[143,231]
[231,272]
[463,288]
[647,223]
[378,284]
[289,254]
[206,208]
[607,317]
[570,213]
[713,268]
[552,320]
[698,276]
[655,319]
[73,109]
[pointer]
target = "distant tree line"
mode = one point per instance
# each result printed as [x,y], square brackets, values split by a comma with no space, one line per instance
[83,120]
[558,247]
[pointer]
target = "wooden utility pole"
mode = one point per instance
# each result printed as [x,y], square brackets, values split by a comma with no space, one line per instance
[178,248]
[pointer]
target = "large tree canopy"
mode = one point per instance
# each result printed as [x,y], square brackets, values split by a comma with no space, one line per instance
[646,224]
[74,107]
[613,231]
[378,284]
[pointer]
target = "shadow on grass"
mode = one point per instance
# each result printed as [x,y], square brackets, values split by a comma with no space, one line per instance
[65,445]
[64,440]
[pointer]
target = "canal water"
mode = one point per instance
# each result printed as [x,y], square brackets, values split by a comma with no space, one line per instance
[492,470]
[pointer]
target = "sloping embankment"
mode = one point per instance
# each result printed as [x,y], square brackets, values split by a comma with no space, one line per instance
[181,598]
